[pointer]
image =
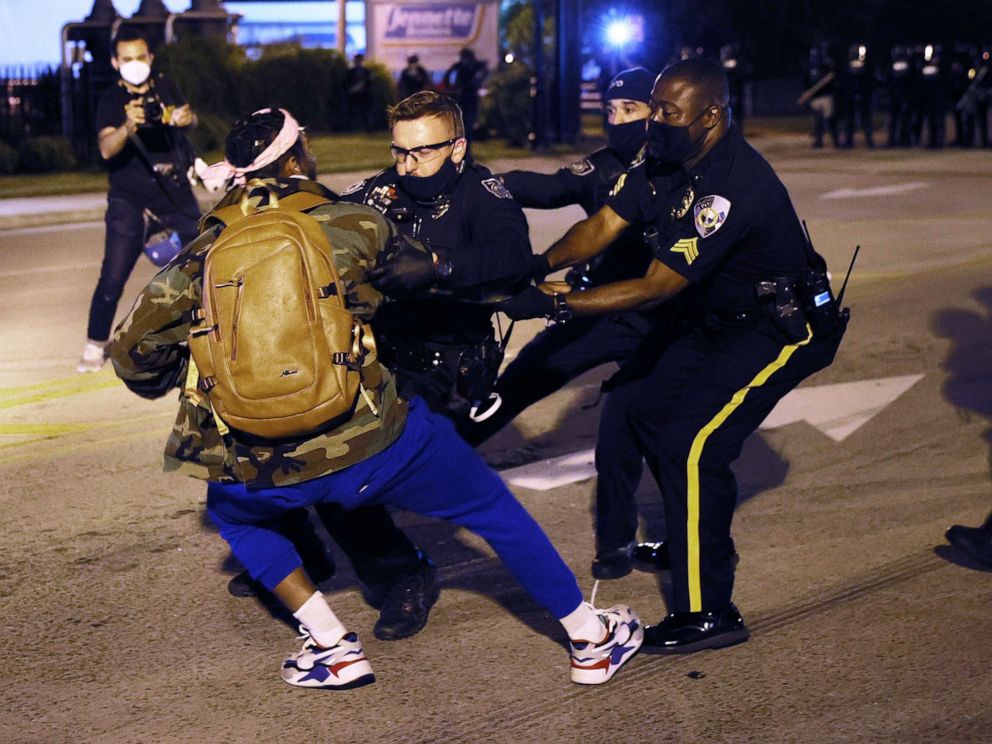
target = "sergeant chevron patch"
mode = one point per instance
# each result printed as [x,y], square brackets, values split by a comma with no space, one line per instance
[688,247]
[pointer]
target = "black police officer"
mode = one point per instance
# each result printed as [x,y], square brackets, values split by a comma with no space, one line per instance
[723,228]
[439,339]
[562,352]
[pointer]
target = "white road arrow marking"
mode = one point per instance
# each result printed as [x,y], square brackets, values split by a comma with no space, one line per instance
[898,188]
[841,409]
[837,410]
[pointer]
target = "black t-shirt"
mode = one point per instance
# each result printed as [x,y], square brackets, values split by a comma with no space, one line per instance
[128,171]
[725,226]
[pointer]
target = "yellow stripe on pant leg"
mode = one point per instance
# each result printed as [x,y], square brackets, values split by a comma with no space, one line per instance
[692,467]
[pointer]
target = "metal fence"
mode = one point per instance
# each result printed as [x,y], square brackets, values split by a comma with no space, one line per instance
[30,105]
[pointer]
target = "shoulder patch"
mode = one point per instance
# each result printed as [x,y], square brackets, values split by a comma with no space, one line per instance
[582,167]
[495,187]
[709,214]
[354,187]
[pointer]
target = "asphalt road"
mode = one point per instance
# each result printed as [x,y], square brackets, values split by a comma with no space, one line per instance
[116,626]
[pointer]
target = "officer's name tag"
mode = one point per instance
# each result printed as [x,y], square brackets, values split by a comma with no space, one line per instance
[709,213]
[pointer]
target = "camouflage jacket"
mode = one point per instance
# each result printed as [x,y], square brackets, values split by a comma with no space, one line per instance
[150,355]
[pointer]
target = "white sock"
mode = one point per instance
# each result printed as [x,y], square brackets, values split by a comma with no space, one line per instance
[583,624]
[320,621]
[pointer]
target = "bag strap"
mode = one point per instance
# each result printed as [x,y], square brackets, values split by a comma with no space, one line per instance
[147,159]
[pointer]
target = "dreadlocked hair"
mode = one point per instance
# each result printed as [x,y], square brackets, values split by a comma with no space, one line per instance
[249,137]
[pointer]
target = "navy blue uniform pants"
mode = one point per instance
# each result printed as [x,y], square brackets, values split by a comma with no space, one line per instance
[428,470]
[552,359]
[688,418]
[124,240]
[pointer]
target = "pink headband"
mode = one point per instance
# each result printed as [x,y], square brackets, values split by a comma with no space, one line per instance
[286,138]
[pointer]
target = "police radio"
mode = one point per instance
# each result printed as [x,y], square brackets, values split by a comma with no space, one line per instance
[822,309]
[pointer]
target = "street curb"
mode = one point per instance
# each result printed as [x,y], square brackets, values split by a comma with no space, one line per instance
[19,221]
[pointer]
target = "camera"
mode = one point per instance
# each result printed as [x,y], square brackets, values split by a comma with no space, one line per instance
[155,110]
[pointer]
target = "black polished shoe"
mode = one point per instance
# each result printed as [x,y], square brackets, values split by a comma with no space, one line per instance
[408,603]
[685,632]
[655,554]
[975,541]
[612,563]
[243,585]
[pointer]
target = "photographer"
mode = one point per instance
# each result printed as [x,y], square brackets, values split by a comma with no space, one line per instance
[138,122]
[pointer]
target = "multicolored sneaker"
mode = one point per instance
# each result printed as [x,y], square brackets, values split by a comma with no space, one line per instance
[340,667]
[596,663]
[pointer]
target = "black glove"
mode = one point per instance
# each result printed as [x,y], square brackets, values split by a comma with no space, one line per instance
[404,272]
[539,268]
[530,303]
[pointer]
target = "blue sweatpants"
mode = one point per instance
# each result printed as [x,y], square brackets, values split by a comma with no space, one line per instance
[428,470]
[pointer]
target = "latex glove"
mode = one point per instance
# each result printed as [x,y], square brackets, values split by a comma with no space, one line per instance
[403,273]
[530,303]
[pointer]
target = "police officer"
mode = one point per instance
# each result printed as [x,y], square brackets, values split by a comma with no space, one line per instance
[737,68]
[440,338]
[902,83]
[859,84]
[934,96]
[723,229]
[563,352]
[820,93]
[138,122]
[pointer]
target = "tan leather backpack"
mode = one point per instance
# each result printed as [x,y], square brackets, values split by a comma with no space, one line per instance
[277,351]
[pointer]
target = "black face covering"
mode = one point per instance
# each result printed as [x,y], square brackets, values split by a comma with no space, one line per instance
[626,139]
[670,145]
[427,188]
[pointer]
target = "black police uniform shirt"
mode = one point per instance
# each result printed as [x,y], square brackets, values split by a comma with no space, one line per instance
[129,175]
[724,225]
[477,226]
[587,183]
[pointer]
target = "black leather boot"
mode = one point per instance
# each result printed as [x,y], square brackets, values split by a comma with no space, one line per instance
[686,632]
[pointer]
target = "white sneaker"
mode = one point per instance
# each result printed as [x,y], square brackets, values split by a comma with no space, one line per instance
[340,667]
[596,663]
[92,359]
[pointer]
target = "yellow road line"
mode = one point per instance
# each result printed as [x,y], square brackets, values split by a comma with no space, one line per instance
[65,450]
[47,392]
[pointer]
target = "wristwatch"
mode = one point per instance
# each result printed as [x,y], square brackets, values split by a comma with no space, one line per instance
[442,267]
[563,311]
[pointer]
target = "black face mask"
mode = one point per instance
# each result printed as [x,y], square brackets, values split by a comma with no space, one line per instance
[626,139]
[670,145]
[428,188]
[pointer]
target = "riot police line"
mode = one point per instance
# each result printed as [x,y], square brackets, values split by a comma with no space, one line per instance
[931,94]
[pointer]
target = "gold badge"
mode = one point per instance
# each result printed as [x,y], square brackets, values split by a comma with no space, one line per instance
[683,209]
[688,247]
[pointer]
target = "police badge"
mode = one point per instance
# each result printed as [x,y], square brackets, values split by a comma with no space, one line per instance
[495,187]
[709,214]
[581,167]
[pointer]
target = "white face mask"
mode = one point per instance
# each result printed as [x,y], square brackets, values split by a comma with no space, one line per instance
[135,72]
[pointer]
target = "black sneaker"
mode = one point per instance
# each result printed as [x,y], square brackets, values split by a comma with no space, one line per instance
[612,563]
[407,604]
[686,632]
